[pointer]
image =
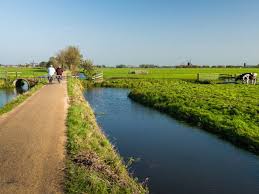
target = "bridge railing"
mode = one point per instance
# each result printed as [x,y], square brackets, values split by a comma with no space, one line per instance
[10,74]
[98,77]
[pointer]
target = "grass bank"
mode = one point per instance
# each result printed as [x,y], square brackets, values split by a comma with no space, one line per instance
[6,83]
[230,111]
[93,165]
[19,99]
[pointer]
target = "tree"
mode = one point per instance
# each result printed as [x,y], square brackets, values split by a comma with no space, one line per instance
[61,58]
[52,61]
[121,66]
[70,57]
[88,67]
[43,64]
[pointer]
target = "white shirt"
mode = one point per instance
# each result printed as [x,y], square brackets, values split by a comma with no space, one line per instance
[51,71]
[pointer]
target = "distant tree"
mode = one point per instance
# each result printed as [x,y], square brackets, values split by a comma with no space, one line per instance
[70,57]
[148,66]
[88,67]
[52,61]
[43,64]
[100,66]
[121,66]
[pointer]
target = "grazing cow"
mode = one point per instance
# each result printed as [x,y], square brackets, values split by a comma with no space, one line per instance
[246,77]
[253,78]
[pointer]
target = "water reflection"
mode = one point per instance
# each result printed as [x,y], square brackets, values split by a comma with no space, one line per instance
[6,95]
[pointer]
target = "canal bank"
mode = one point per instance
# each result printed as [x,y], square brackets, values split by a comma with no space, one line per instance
[175,157]
[93,165]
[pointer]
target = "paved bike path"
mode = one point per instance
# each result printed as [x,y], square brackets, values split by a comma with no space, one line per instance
[32,139]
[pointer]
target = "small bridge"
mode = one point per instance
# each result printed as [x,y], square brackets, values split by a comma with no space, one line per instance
[19,82]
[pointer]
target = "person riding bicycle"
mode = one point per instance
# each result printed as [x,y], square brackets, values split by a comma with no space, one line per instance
[59,71]
[51,72]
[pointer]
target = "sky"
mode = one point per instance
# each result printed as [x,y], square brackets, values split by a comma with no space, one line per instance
[133,32]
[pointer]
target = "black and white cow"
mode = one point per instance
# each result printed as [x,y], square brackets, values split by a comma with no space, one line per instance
[247,77]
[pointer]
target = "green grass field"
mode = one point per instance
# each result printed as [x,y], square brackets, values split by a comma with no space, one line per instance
[172,73]
[24,72]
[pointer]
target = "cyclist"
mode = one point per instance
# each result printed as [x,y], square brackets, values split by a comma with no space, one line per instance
[51,73]
[59,72]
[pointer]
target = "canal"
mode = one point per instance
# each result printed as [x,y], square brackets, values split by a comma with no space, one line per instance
[8,94]
[177,158]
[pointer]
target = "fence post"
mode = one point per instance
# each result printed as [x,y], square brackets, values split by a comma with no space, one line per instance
[198,77]
[6,75]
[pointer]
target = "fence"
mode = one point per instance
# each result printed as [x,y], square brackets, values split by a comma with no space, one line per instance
[10,74]
[98,77]
[216,77]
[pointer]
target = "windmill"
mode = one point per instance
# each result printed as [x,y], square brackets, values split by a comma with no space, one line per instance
[189,63]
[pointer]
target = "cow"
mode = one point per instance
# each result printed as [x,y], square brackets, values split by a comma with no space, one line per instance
[247,77]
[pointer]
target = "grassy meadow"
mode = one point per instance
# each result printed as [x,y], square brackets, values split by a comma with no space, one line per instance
[172,73]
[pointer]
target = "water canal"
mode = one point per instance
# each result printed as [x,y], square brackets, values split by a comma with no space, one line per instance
[8,94]
[176,158]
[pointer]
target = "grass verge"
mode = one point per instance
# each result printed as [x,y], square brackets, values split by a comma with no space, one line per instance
[6,84]
[93,165]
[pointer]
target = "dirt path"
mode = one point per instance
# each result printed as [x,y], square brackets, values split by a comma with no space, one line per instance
[32,140]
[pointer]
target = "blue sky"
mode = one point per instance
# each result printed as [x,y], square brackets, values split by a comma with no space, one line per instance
[110,32]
